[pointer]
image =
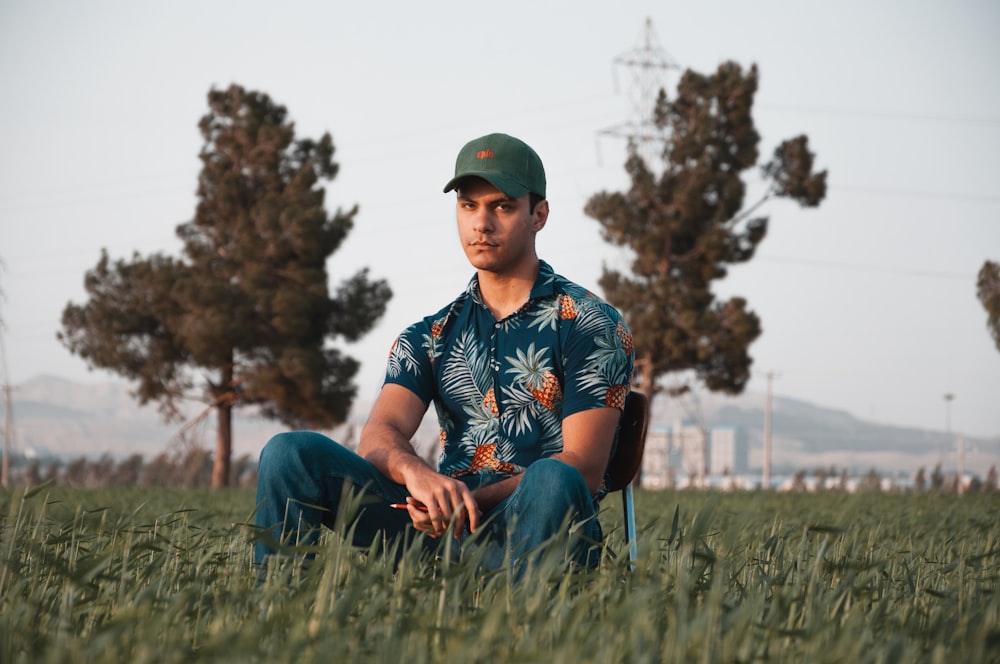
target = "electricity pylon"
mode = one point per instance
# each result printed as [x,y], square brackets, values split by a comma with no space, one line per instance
[647,65]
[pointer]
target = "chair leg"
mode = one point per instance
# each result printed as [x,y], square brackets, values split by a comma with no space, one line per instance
[628,505]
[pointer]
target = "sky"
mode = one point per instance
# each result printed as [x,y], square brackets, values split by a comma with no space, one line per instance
[867,303]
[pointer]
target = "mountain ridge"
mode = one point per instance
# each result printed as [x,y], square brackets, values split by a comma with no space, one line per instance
[61,418]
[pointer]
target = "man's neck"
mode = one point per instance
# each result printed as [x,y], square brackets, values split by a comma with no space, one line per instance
[503,294]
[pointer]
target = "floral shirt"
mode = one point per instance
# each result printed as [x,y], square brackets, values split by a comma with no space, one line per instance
[502,388]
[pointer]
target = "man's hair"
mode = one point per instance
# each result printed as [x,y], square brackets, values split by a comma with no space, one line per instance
[533,199]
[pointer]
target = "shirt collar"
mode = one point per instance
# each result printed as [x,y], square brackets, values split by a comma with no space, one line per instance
[544,286]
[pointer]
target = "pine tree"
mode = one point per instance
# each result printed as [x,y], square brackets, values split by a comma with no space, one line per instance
[988,290]
[686,225]
[249,301]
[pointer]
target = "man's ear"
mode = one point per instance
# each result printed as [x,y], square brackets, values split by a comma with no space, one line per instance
[540,216]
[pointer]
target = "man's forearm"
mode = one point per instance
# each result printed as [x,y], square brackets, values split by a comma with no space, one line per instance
[490,496]
[445,498]
[385,440]
[394,458]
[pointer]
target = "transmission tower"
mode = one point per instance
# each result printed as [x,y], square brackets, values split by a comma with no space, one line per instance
[647,65]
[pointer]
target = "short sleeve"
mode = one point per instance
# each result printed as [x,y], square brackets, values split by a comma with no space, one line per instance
[598,356]
[410,362]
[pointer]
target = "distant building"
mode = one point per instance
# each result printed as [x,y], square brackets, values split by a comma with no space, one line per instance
[675,453]
[728,451]
[657,470]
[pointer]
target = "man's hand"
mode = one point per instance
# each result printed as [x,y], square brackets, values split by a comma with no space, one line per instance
[437,500]
[385,442]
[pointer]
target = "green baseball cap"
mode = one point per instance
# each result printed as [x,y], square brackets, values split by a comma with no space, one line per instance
[508,163]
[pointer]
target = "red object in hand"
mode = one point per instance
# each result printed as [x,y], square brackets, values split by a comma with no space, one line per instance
[403,506]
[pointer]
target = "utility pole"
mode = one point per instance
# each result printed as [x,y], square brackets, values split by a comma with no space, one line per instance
[8,433]
[647,64]
[959,444]
[960,485]
[8,426]
[948,398]
[766,482]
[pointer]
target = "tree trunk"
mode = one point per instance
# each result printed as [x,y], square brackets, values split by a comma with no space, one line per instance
[224,432]
[647,378]
[223,445]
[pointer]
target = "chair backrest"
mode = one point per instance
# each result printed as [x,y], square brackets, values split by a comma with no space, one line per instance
[624,464]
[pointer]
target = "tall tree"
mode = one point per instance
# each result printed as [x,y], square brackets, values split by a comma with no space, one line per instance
[988,290]
[248,303]
[686,225]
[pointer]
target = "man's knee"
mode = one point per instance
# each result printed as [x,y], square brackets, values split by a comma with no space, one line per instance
[293,448]
[555,484]
[552,500]
[553,472]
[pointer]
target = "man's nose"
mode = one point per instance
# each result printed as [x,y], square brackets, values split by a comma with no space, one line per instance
[484,221]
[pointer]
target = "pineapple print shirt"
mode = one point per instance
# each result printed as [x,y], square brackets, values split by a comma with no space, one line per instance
[502,388]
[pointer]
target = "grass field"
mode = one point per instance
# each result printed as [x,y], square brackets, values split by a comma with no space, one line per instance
[146,575]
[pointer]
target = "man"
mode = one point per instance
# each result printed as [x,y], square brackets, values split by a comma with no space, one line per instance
[528,373]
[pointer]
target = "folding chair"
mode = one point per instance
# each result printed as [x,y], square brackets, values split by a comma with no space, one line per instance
[624,464]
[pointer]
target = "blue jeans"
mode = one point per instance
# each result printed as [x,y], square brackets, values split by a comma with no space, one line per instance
[304,477]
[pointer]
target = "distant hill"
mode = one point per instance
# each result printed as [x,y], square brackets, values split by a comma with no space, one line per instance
[65,419]
[54,417]
[806,436]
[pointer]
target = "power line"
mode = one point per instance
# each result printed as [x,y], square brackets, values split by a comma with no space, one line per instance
[429,275]
[159,193]
[19,202]
[89,186]
[760,258]
[863,267]
[425,132]
[909,193]
[882,115]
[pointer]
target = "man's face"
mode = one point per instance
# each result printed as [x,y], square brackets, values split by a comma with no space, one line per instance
[497,232]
